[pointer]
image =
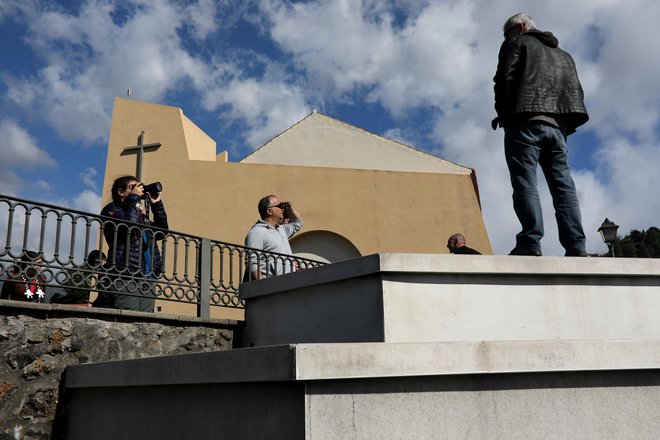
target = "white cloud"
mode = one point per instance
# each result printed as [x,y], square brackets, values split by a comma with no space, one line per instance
[19,149]
[87,176]
[57,236]
[311,31]
[43,186]
[347,46]
[87,201]
[268,108]
[90,57]
[630,190]
[19,154]
[399,135]
[10,183]
[625,96]
[203,16]
[12,8]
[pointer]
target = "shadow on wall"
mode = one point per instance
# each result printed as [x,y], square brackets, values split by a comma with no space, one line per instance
[323,246]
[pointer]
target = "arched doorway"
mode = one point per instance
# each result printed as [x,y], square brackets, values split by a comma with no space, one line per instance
[323,246]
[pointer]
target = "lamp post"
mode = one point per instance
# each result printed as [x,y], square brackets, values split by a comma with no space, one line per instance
[608,233]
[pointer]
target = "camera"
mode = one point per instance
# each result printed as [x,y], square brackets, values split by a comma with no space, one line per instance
[285,209]
[153,189]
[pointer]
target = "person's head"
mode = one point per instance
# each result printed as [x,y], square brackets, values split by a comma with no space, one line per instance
[31,263]
[455,241]
[518,24]
[269,209]
[123,186]
[96,258]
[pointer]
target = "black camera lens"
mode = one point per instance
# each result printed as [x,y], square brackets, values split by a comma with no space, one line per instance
[153,189]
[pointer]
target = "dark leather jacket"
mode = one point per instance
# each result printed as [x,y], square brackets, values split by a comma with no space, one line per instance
[535,77]
[122,237]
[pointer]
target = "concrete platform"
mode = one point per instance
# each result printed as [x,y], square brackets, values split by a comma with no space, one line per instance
[514,390]
[375,360]
[407,346]
[439,298]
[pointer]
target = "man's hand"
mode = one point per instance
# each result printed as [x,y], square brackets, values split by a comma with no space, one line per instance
[291,211]
[495,122]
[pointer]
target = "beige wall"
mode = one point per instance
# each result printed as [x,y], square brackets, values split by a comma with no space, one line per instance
[321,141]
[377,211]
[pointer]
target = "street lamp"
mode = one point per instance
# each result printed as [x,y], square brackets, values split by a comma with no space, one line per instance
[608,233]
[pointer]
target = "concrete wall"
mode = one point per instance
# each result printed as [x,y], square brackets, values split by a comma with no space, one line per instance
[434,298]
[568,376]
[549,406]
[500,390]
[200,411]
[38,341]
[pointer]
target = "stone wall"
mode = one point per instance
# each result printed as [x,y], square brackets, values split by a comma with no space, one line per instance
[38,341]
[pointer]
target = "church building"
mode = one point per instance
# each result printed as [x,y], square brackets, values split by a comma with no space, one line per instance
[358,193]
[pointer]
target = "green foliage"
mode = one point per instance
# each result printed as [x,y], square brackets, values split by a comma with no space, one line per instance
[639,244]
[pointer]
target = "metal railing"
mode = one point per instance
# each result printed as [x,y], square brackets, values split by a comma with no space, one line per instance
[48,248]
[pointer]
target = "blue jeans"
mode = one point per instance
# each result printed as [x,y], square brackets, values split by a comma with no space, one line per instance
[527,145]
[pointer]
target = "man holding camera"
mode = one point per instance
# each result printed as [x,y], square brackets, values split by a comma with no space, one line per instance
[279,221]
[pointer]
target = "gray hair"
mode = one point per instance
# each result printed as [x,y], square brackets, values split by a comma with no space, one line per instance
[520,18]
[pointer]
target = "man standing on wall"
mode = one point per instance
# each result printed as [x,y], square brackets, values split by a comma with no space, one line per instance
[279,221]
[539,102]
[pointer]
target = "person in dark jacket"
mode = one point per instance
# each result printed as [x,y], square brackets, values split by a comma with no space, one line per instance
[456,245]
[539,102]
[134,259]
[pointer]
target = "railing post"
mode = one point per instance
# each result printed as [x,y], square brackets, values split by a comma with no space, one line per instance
[204,262]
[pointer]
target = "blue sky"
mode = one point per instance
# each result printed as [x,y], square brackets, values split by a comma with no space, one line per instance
[416,71]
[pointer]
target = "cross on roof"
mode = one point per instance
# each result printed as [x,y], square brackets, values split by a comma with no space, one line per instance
[140,149]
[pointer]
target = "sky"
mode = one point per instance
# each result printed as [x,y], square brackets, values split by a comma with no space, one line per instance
[416,71]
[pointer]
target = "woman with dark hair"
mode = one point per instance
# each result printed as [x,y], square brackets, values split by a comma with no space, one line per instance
[27,283]
[133,256]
